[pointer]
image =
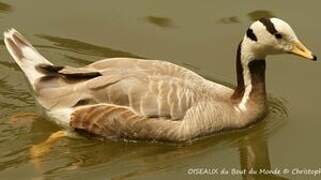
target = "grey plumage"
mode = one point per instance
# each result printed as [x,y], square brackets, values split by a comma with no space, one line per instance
[150,100]
[129,98]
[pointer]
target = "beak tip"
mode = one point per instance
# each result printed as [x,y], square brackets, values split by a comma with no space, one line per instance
[314,58]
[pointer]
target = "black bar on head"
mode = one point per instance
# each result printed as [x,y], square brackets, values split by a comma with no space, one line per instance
[250,34]
[269,25]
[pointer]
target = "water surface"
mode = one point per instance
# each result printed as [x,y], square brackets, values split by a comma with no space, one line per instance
[200,35]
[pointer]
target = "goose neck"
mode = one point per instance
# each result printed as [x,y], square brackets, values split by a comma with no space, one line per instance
[250,69]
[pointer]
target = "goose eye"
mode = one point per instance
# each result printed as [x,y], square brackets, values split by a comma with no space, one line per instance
[278,36]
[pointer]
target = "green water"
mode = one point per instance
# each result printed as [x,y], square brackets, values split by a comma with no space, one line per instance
[200,35]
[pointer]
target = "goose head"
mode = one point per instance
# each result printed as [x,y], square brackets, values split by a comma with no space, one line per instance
[266,36]
[269,36]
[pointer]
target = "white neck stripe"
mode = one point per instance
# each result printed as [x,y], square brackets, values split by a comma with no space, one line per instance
[246,57]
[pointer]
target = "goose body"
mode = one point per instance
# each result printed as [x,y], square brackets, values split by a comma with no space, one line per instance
[151,99]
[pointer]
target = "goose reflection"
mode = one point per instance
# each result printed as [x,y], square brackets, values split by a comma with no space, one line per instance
[254,157]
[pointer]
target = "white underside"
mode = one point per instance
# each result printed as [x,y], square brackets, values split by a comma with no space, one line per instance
[60,116]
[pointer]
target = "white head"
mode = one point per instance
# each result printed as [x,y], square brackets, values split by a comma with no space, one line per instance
[264,37]
[273,36]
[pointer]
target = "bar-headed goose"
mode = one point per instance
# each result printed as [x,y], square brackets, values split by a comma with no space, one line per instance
[151,99]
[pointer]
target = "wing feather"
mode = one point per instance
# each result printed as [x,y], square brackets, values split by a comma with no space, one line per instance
[151,88]
[114,121]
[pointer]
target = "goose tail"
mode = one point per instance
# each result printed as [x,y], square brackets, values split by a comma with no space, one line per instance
[25,55]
